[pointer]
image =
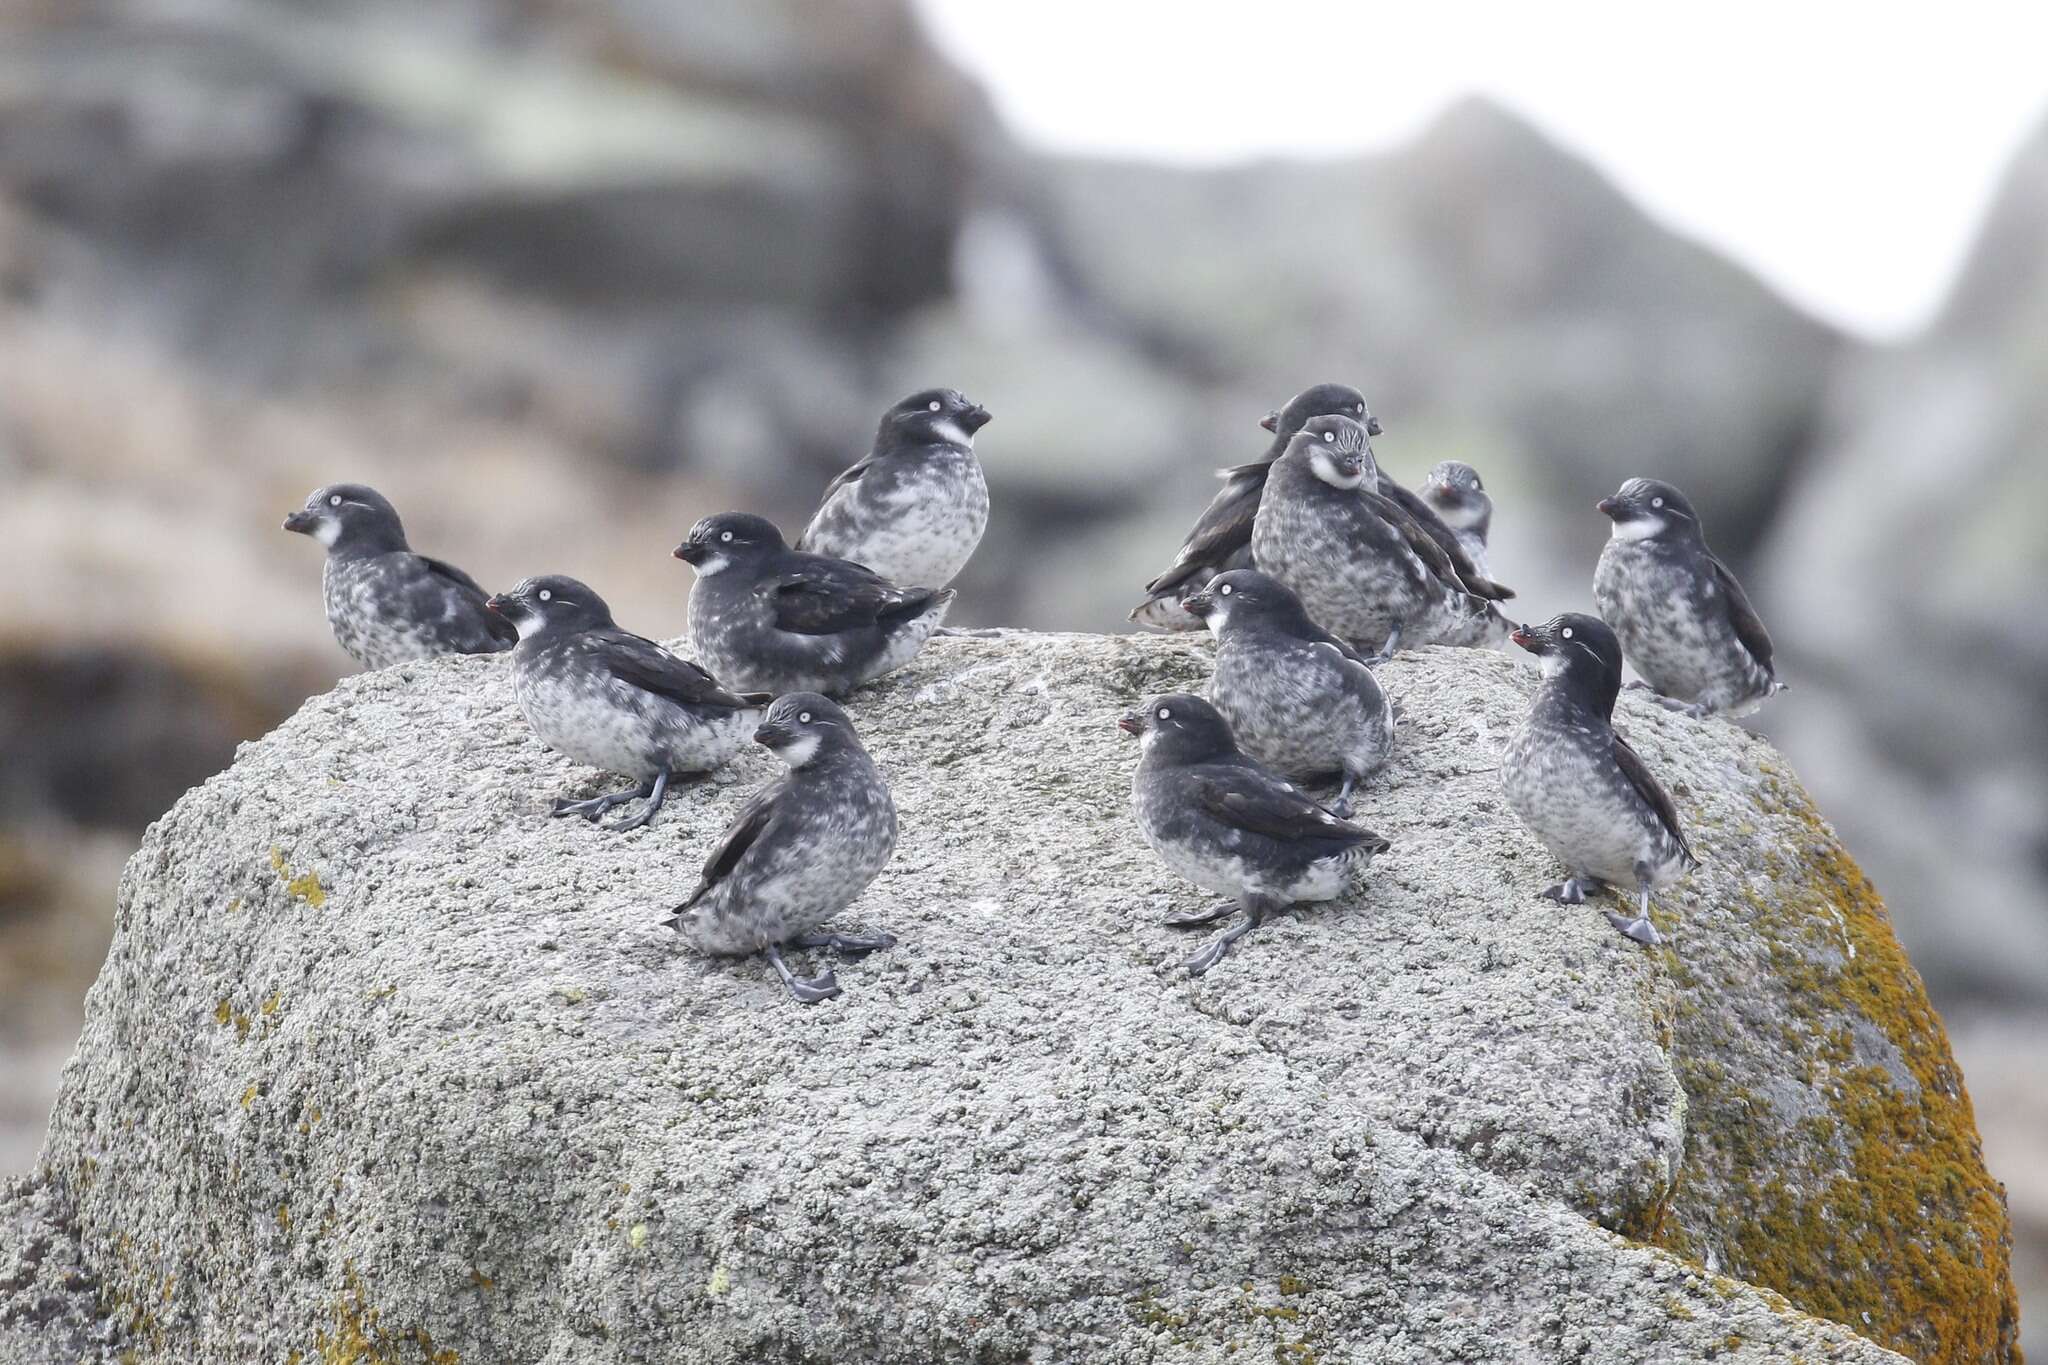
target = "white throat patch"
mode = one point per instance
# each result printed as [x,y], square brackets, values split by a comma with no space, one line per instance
[528,623]
[798,751]
[327,530]
[952,433]
[1638,528]
[712,565]
[1326,470]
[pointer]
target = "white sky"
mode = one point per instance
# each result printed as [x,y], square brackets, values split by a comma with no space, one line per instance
[1844,152]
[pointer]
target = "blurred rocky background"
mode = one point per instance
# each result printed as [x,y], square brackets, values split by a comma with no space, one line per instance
[560,279]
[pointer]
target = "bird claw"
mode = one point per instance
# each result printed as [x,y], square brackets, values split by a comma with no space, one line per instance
[1201,919]
[1207,958]
[1341,808]
[848,944]
[1637,927]
[809,990]
[1566,892]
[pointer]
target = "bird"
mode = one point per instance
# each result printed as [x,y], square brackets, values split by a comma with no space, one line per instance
[1579,787]
[1224,821]
[914,509]
[1297,698]
[386,604]
[1455,494]
[1362,567]
[768,618]
[611,699]
[1222,535]
[800,851]
[1684,621]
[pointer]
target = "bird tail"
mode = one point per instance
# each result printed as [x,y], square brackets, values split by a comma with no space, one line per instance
[1479,626]
[1164,612]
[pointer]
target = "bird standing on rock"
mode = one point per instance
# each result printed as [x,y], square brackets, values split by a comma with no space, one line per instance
[1684,621]
[1460,501]
[1362,567]
[385,604]
[1297,698]
[1223,533]
[1219,818]
[1579,787]
[764,616]
[799,852]
[915,508]
[606,697]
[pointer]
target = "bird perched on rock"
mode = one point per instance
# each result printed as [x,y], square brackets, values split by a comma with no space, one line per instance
[915,508]
[799,852]
[1223,533]
[1297,698]
[1221,819]
[764,616]
[1459,500]
[1579,787]
[606,697]
[1361,566]
[1684,622]
[386,604]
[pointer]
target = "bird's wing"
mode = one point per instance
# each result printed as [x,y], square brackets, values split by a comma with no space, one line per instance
[827,596]
[1256,801]
[1315,634]
[846,478]
[644,664]
[742,834]
[1431,555]
[1224,528]
[1426,519]
[446,594]
[1749,627]
[1659,801]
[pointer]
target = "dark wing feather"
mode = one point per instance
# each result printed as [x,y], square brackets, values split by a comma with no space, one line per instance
[1315,634]
[1253,800]
[445,580]
[1434,561]
[1638,774]
[847,476]
[1426,519]
[646,665]
[1224,528]
[826,596]
[742,834]
[1749,627]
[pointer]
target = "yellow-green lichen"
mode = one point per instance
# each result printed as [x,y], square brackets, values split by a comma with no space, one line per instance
[304,886]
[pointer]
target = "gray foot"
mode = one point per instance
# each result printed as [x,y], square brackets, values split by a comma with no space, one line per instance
[1570,891]
[1201,962]
[659,793]
[1696,710]
[1202,919]
[808,990]
[1637,927]
[1341,807]
[1386,651]
[598,805]
[849,944]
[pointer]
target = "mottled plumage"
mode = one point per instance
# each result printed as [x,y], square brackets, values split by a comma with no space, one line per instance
[1685,623]
[1297,698]
[915,508]
[1222,536]
[611,699]
[386,604]
[1362,567]
[800,851]
[1459,500]
[766,617]
[1221,819]
[1579,787]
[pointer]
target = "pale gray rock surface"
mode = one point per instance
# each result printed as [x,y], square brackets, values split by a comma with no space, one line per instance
[385,1061]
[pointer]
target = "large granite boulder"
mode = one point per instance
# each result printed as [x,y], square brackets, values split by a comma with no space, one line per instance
[386,1065]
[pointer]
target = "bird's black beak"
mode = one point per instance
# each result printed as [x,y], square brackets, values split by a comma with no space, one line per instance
[772,733]
[1197,604]
[975,418]
[495,604]
[1611,506]
[1271,421]
[1527,639]
[1352,464]
[1131,723]
[302,522]
[1372,427]
[690,552]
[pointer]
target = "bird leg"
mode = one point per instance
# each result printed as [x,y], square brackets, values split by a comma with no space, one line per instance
[808,990]
[844,943]
[1341,807]
[1202,918]
[1386,650]
[598,805]
[1573,890]
[1255,912]
[659,792]
[1697,710]
[1639,927]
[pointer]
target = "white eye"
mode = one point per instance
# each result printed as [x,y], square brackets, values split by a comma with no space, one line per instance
[1566,632]
[933,405]
[1165,713]
[803,718]
[334,501]
[725,535]
[547,594]
[1359,408]
[1656,502]
[1329,436]
[1223,591]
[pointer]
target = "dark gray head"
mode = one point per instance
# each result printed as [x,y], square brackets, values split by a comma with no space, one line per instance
[932,417]
[1650,509]
[1582,652]
[1179,728]
[349,517]
[1245,597]
[1336,448]
[554,602]
[717,543]
[803,727]
[1323,400]
[1454,492]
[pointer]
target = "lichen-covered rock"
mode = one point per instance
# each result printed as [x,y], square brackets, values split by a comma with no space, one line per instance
[386,1065]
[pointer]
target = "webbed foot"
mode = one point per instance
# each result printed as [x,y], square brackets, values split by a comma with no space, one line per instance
[1202,918]
[1570,891]
[849,944]
[808,990]
[1637,927]
[598,805]
[1213,953]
